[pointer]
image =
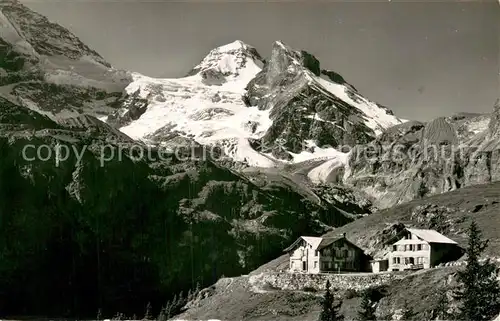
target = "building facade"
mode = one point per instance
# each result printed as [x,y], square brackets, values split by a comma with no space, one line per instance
[422,249]
[326,255]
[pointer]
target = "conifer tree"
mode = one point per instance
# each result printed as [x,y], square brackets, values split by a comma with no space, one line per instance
[441,311]
[173,305]
[198,288]
[181,302]
[330,309]
[163,314]
[367,309]
[167,310]
[479,291]
[407,313]
[148,314]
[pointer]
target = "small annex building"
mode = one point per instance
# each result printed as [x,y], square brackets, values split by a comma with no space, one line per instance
[422,249]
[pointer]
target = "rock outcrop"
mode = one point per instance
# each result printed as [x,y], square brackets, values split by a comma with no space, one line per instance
[306,109]
[414,160]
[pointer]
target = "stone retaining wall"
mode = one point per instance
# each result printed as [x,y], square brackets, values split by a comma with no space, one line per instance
[298,281]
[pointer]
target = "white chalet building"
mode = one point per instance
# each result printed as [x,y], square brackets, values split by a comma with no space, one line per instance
[422,249]
[326,254]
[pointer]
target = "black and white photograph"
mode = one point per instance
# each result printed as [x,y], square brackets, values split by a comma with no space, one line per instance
[232,160]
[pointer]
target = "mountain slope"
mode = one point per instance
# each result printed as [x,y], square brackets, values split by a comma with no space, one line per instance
[90,224]
[48,69]
[415,160]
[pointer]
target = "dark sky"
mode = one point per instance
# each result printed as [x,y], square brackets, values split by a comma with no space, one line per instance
[421,59]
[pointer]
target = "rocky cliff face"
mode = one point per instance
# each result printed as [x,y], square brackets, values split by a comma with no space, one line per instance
[46,68]
[414,160]
[310,107]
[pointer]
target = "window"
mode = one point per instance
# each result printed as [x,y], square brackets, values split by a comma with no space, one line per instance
[316,253]
[409,260]
[315,264]
[419,247]
[394,247]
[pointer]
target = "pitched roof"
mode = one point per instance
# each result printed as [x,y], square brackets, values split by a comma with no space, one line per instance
[317,243]
[431,236]
[327,241]
[313,241]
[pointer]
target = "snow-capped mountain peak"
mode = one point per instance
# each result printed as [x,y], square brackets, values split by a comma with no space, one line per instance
[261,113]
[233,61]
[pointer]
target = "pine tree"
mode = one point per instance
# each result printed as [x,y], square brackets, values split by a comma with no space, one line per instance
[479,290]
[441,311]
[173,305]
[163,314]
[197,290]
[181,302]
[330,310]
[407,313]
[168,310]
[367,309]
[148,315]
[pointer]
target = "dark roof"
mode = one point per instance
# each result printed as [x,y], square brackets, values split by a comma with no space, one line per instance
[328,241]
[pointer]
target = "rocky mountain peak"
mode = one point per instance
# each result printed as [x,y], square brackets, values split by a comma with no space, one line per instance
[235,59]
[284,59]
[32,34]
